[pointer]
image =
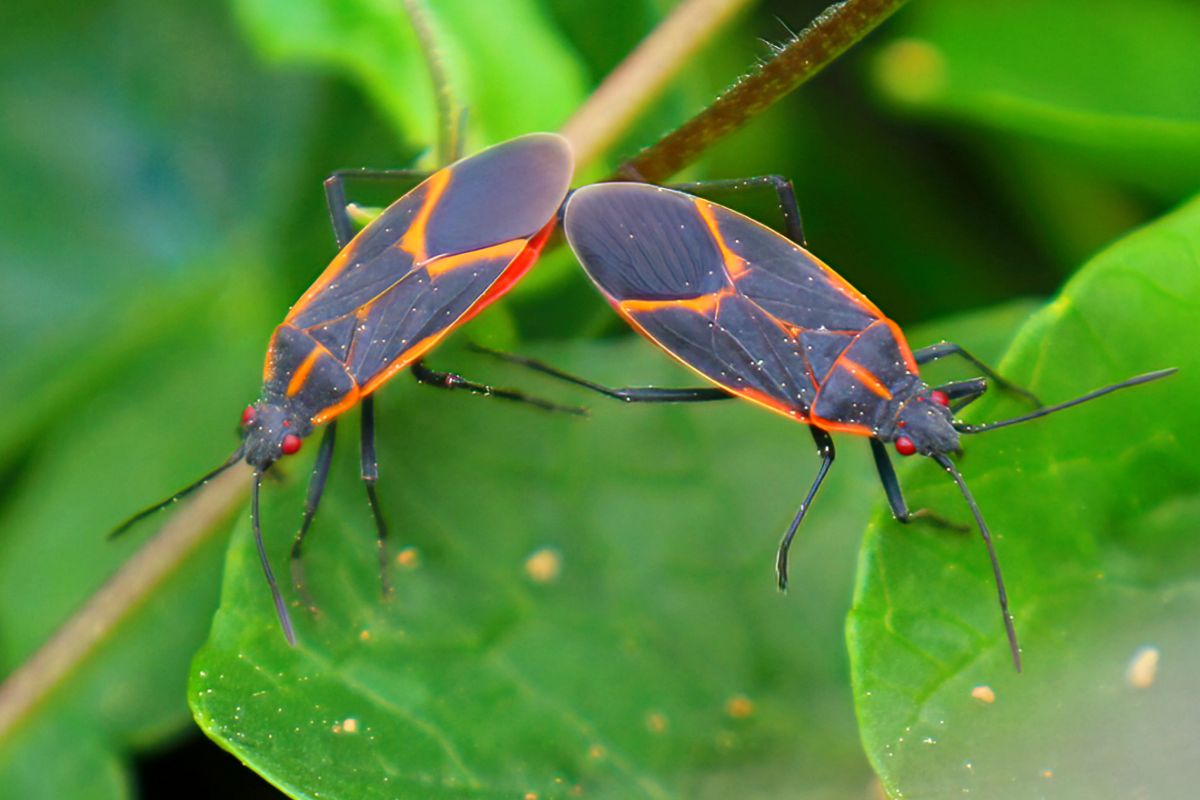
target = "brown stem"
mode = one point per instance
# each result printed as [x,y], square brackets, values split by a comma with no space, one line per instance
[641,77]
[829,35]
[94,622]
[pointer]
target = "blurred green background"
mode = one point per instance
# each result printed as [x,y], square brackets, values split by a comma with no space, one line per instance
[161,207]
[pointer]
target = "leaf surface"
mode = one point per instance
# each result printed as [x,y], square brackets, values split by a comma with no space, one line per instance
[580,605]
[1093,512]
[1099,86]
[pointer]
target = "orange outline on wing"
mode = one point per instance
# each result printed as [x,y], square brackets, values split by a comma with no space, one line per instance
[348,402]
[844,287]
[443,264]
[752,395]
[268,362]
[704,305]
[413,240]
[323,280]
[521,262]
[435,185]
[304,370]
[735,265]
[841,427]
[404,359]
[902,343]
[513,272]
[863,376]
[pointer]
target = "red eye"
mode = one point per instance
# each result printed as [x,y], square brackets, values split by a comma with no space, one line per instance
[248,415]
[940,397]
[905,446]
[291,444]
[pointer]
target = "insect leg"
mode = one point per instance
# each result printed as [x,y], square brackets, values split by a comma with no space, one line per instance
[335,195]
[632,394]
[451,380]
[316,487]
[891,487]
[370,474]
[285,621]
[944,349]
[784,217]
[1001,594]
[826,452]
[963,393]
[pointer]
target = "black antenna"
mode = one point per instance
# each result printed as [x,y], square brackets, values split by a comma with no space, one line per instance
[987,539]
[182,493]
[285,621]
[963,427]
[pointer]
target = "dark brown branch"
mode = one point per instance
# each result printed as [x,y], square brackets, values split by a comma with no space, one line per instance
[829,35]
[644,74]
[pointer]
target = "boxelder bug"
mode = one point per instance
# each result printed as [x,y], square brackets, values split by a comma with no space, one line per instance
[430,262]
[765,320]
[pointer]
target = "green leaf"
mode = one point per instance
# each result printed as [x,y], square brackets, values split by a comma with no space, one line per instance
[1101,86]
[622,675]
[617,675]
[1093,512]
[523,80]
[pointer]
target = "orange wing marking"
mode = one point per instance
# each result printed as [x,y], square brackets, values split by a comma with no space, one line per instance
[304,370]
[297,383]
[269,362]
[441,265]
[753,395]
[791,330]
[705,304]
[407,357]
[808,370]
[864,376]
[319,285]
[513,272]
[902,343]
[345,404]
[767,401]
[413,241]
[521,256]
[841,427]
[844,287]
[735,265]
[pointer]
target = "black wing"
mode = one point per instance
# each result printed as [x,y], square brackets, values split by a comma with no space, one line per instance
[742,305]
[416,270]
